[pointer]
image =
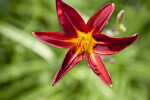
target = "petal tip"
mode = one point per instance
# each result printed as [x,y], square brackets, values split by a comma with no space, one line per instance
[111,85]
[112,4]
[136,34]
[54,83]
[33,33]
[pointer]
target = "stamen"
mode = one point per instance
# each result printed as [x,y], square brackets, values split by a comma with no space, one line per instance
[82,43]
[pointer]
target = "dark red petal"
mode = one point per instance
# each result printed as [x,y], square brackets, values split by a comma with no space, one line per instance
[111,45]
[98,21]
[95,62]
[55,39]
[69,19]
[70,60]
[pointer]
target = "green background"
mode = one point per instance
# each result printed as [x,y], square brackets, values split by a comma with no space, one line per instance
[27,66]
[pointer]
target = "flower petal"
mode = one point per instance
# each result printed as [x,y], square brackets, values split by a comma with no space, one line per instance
[69,19]
[111,45]
[71,58]
[95,62]
[56,39]
[98,21]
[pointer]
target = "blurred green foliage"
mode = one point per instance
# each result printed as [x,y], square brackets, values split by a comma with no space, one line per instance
[27,66]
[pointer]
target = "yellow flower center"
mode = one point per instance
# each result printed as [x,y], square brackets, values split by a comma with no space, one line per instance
[85,42]
[82,42]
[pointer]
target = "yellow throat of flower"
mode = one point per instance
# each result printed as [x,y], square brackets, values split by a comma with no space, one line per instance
[84,42]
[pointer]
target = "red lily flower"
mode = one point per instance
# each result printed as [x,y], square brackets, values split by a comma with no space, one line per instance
[84,40]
